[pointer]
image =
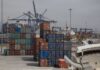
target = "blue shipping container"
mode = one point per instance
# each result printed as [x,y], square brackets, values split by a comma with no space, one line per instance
[52,54]
[51,36]
[67,53]
[43,54]
[51,46]
[18,29]
[67,45]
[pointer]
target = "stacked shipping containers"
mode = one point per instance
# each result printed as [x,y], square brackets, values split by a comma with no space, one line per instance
[43,48]
[20,39]
[57,48]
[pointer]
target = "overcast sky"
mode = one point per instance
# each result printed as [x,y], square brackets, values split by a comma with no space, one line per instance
[85,13]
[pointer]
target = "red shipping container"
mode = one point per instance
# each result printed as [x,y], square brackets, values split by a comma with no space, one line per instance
[62,63]
[12,42]
[16,52]
[36,47]
[45,26]
[11,52]
[43,46]
[43,62]
[22,35]
[29,52]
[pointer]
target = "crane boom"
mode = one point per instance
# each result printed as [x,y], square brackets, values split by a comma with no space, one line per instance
[34,9]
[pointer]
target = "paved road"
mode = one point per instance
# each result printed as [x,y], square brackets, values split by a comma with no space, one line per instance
[19,63]
[93,59]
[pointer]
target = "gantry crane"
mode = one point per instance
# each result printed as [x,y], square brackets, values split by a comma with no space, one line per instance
[36,19]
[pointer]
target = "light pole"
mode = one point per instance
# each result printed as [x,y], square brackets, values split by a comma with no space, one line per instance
[1,20]
[70,10]
[1,11]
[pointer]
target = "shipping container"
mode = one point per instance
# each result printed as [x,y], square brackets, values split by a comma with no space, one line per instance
[45,26]
[43,54]
[28,35]
[43,63]
[62,63]
[51,46]
[44,33]
[52,54]
[43,46]
[18,30]
[22,35]
[67,45]
[67,53]
[14,35]
[59,46]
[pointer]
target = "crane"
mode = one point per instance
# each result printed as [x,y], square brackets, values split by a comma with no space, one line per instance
[36,19]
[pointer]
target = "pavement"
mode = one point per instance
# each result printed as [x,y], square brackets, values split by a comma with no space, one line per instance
[20,63]
[93,59]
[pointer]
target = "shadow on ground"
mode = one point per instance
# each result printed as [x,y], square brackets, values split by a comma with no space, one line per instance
[27,58]
[33,64]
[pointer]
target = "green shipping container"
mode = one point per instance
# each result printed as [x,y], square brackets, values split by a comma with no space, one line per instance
[14,35]
[28,35]
[23,41]
[28,41]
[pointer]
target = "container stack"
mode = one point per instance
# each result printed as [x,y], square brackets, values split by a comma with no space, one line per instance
[67,48]
[55,48]
[44,29]
[21,41]
[36,47]
[43,54]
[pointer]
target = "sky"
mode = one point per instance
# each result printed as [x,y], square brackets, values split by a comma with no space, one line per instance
[85,13]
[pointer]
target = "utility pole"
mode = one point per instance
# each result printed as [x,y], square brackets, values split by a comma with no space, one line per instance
[70,10]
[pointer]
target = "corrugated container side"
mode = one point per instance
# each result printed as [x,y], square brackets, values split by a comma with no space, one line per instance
[51,46]
[67,45]
[43,54]
[68,53]
[28,35]
[43,62]
[52,54]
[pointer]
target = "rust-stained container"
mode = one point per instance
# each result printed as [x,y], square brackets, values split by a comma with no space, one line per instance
[45,26]
[43,63]
[29,52]
[62,63]
[12,42]
[43,45]
[36,48]
[17,47]
[16,52]
[11,52]
[11,47]
[22,35]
